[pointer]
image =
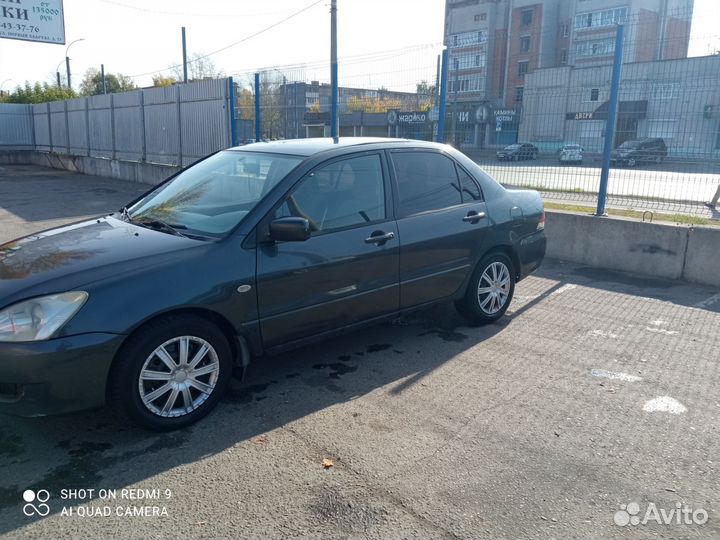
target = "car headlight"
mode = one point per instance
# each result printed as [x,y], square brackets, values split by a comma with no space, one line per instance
[39,318]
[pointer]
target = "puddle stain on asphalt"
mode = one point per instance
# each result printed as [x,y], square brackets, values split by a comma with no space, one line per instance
[85,466]
[446,335]
[378,347]
[338,369]
[10,445]
[248,394]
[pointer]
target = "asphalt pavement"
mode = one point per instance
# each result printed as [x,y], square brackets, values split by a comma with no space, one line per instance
[589,410]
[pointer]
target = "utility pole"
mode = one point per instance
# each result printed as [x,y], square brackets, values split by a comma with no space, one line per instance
[184,52]
[57,74]
[102,74]
[67,67]
[333,71]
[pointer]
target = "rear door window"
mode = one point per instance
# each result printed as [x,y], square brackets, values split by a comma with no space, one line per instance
[426,181]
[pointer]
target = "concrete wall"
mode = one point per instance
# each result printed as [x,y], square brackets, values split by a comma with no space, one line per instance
[132,171]
[667,251]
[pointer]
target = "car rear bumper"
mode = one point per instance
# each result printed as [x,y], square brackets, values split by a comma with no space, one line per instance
[55,376]
[531,252]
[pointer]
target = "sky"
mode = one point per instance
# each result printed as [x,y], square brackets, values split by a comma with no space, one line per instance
[392,43]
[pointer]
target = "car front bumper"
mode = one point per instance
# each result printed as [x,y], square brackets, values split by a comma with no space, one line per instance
[55,376]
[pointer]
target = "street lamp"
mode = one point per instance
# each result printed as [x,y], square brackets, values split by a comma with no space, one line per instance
[3,84]
[67,61]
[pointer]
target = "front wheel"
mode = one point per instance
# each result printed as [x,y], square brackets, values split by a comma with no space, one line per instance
[171,373]
[490,290]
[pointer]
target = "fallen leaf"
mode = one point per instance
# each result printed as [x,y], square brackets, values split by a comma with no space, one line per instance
[260,440]
[327,463]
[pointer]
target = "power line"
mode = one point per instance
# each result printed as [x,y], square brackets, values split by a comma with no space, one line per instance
[197,59]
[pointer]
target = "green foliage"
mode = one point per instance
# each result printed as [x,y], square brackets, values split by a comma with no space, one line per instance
[161,80]
[38,93]
[91,84]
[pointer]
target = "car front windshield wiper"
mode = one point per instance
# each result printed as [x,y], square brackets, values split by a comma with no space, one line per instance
[158,224]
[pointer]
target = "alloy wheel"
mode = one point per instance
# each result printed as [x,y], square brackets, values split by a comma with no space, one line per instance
[179,376]
[494,288]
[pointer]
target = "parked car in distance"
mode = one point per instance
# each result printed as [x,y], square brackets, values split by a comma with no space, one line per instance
[571,153]
[637,151]
[518,151]
[251,251]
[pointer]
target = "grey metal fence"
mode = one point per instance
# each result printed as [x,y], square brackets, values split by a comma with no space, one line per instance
[174,125]
[16,128]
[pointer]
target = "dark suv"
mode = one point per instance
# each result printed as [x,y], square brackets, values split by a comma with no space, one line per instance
[253,250]
[646,150]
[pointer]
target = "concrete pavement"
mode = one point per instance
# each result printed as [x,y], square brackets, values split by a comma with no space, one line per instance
[597,391]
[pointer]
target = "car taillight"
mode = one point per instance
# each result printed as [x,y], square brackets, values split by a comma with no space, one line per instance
[541,223]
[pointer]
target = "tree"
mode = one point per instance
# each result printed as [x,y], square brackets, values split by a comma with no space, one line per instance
[161,80]
[200,67]
[38,93]
[91,84]
[425,89]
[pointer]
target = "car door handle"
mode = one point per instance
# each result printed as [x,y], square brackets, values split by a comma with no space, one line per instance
[379,238]
[473,217]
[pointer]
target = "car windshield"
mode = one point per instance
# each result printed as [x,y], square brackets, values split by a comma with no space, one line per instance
[212,197]
[512,147]
[572,147]
[629,144]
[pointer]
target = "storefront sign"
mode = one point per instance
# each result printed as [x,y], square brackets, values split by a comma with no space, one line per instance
[505,115]
[412,117]
[580,116]
[33,20]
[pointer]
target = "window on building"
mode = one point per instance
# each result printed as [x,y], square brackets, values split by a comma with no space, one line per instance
[526,17]
[594,94]
[468,61]
[483,16]
[603,47]
[523,67]
[565,30]
[468,39]
[563,56]
[426,181]
[666,90]
[519,93]
[605,17]
[477,17]
[524,43]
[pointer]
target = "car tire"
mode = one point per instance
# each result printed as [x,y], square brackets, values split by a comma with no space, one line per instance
[515,158]
[478,305]
[141,370]
[631,162]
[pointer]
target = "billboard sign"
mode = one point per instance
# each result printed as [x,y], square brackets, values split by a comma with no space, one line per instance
[33,20]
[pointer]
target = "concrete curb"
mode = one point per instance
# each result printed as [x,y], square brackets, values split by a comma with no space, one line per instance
[131,171]
[652,249]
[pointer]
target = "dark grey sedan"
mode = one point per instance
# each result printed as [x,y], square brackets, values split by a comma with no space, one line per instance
[251,251]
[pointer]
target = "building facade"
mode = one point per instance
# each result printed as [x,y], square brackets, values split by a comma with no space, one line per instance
[676,100]
[495,44]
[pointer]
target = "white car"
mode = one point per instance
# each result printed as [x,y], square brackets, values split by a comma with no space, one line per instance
[571,153]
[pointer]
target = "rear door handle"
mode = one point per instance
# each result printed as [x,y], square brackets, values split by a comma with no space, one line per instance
[379,238]
[474,217]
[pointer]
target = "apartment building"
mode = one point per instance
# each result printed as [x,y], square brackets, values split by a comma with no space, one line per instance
[494,44]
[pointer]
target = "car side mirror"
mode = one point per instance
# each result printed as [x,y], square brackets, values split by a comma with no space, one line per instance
[290,229]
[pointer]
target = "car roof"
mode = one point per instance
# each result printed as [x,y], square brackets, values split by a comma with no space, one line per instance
[309,147]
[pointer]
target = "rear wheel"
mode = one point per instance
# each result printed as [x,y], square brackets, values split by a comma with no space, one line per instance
[490,290]
[631,162]
[171,373]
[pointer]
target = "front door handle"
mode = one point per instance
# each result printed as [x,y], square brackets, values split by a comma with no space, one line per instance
[473,216]
[379,238]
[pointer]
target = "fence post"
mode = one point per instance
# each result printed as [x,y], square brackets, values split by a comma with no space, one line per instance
[67,128]
[179,117]
[231,108]
[258,118]
[87,125]
[443,97]
[611,120]
[49,122]
[112,124]
[143,135]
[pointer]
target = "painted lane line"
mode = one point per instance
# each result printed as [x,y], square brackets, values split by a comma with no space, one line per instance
[664,404]
[661,331]
[602,333]
[615,375]
[564,288]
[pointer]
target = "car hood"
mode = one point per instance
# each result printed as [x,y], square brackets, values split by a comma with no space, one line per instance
[77,254]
